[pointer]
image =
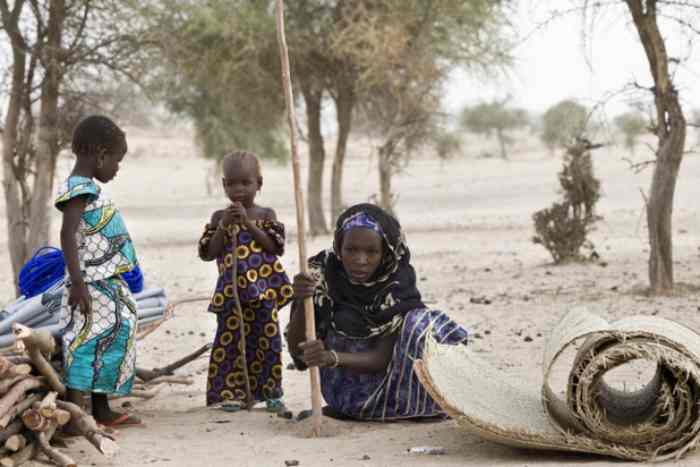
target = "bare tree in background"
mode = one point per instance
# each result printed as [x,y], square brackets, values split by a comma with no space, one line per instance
[648,16]
[404,121]
[670,131]
[59,48]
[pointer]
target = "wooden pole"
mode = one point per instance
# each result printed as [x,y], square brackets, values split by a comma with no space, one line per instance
[149,375]
[299,199]
[250,401]
[87,426]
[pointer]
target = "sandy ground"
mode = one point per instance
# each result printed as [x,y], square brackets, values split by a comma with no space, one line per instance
[468,223]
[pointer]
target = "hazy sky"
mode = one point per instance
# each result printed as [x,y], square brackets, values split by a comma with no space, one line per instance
[555,62]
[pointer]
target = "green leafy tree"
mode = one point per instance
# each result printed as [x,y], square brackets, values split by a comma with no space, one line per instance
[342,52]
[494,117]
[563,123]
[403,51]
[221,71]
[632,125]
[60,52]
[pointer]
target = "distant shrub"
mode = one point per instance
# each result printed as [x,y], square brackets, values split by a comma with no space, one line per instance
[563,123]
[447,144]
[563,227]
[497,118]
[632,125]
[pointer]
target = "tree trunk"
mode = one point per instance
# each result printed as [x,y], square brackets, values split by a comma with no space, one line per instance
[386,197]
[671,132]
[386,170]
[16,223]
[47,145]
[87,426]
[660,212]
[344,104]
[502,143]
[317,157]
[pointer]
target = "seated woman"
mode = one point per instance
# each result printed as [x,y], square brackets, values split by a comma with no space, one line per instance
[371,322]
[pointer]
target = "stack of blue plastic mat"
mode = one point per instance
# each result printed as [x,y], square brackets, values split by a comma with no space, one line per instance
[42,311]
[41,283]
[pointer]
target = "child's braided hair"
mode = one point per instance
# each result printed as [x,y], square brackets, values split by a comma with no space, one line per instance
[243,157]
[96,134]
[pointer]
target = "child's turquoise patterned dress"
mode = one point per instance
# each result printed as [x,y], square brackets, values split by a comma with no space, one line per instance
[99,350]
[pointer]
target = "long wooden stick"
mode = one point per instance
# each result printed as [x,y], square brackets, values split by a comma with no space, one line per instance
[168,369]
[59,458]
[149,375]
[39,346]
[12,429]
[299,198]
[250,401]
[15,394]
[18,408]
[87,426]
[20,457]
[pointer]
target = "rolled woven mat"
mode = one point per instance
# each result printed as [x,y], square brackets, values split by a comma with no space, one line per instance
[657,421]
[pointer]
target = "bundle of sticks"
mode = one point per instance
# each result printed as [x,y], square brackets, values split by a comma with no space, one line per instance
[31,405]
[31,409]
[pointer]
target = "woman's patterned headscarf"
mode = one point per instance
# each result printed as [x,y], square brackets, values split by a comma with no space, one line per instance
[374,308]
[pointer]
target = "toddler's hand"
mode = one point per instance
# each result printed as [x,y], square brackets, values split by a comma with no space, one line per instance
[239,213]
[304,286]
[228,218]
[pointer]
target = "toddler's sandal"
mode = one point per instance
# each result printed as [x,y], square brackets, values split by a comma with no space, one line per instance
[231,407]
[278,407]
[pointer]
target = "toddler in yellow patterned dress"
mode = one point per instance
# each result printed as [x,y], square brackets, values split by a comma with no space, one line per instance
[251,236]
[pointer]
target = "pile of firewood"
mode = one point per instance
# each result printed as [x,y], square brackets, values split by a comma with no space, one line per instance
[31,409]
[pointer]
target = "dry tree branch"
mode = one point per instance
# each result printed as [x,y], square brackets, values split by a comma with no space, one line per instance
[679,3]
[81,28]
[638,167]
[681,22]
[558,14]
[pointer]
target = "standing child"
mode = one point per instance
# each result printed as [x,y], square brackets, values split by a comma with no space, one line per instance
[251,236]
[97,308]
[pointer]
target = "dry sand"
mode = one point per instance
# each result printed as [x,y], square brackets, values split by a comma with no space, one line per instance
[468,223]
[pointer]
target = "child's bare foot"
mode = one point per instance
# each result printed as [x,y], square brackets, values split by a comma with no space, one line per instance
[105,416]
